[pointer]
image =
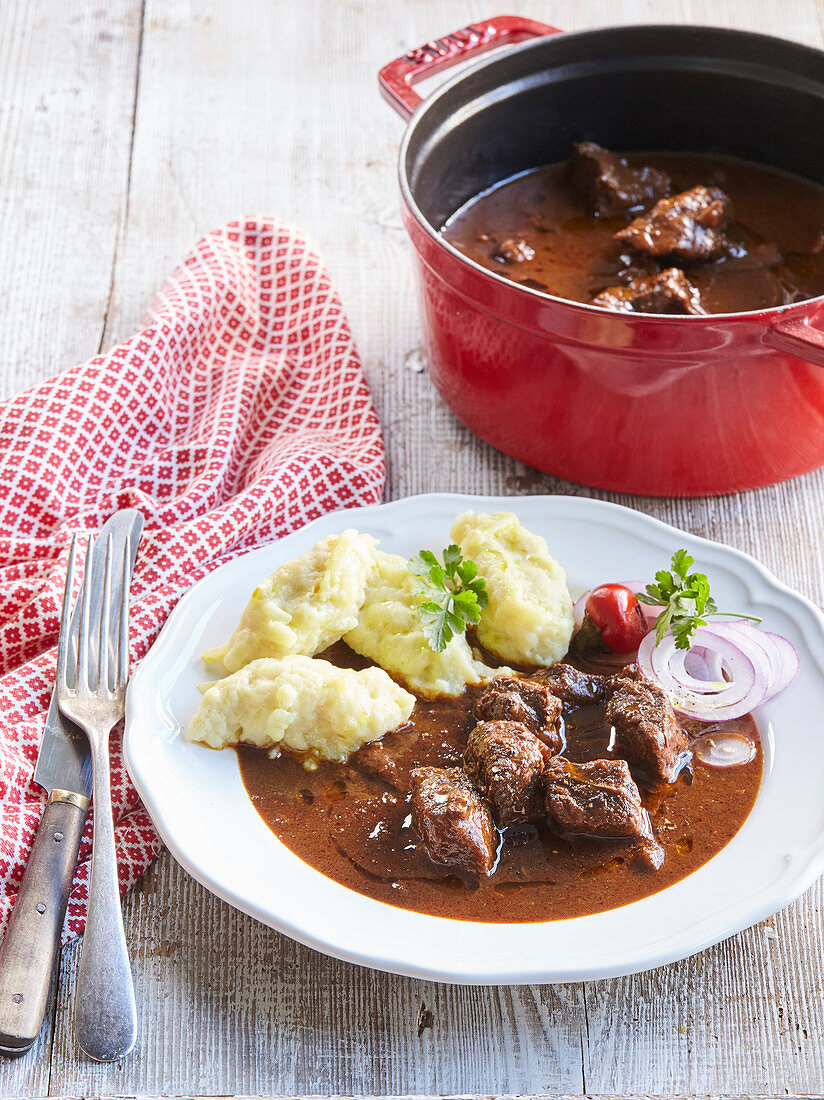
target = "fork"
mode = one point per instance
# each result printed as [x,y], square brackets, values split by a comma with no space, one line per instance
[105,1012]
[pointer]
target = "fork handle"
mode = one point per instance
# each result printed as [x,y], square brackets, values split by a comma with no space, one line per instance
[31,944]
[104,1009]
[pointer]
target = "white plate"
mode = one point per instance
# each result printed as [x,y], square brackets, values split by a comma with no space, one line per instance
[199,805]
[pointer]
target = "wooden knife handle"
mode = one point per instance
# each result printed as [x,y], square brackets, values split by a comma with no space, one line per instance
[31,944]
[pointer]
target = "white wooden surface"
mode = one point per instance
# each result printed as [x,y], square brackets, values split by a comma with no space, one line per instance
[128,128]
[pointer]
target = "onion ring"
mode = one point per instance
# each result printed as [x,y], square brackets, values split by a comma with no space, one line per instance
[732,668]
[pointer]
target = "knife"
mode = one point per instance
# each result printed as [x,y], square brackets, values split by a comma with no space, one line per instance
[31,945]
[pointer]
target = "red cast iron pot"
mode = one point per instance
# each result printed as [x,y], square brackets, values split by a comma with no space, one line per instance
[657,405]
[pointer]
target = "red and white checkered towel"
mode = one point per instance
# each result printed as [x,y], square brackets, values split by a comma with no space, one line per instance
[237,413]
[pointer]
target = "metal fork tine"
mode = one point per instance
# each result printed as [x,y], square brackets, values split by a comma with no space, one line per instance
[65,618]
[103,637]
[123,641]
[85,615]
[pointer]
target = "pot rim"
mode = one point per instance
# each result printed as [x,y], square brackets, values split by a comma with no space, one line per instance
[767,314]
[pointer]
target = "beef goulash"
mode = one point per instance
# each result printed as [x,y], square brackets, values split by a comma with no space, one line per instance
[661,233]
[443,781]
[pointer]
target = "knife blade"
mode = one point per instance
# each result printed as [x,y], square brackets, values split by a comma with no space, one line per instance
[30,947]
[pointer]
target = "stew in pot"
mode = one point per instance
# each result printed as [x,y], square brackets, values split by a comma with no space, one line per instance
[651,232]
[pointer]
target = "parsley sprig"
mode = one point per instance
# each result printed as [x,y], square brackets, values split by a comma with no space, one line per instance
[685,598]
[456,594]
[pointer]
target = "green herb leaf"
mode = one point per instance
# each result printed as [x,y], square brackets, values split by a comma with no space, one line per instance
[685,601]
[452,557]
[455,594]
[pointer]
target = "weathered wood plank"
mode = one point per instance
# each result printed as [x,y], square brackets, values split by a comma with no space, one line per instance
[66,98]
[66,101]
[504,1096]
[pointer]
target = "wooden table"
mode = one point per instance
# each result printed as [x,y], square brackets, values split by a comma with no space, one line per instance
[127,129]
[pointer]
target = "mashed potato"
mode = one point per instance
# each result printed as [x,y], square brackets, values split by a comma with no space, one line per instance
[305,605]
[390,633]
[529,617]
[303,704]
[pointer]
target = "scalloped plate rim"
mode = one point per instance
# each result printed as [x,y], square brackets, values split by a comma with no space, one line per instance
[414,962]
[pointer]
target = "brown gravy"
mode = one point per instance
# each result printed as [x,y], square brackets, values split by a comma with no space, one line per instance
[355,827]
[779,227]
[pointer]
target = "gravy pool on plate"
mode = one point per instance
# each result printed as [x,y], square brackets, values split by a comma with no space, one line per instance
[351,822]
[500,796]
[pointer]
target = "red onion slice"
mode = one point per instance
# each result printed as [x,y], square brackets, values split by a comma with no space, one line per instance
[790,663]
[704,664]
[723,749]
[697,678]
[781,653]
[696,664]
[732,668]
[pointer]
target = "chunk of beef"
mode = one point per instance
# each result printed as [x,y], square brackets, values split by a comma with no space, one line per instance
[607,183]
[647,733]
[689,225]
[599,799]
[513,250]
[669,291]
[388,759]
[453,820]
[506,763]
[533,704]
[376,762]
[573,686]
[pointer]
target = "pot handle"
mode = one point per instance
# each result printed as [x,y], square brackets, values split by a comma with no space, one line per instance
[396,78]
[796,336]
